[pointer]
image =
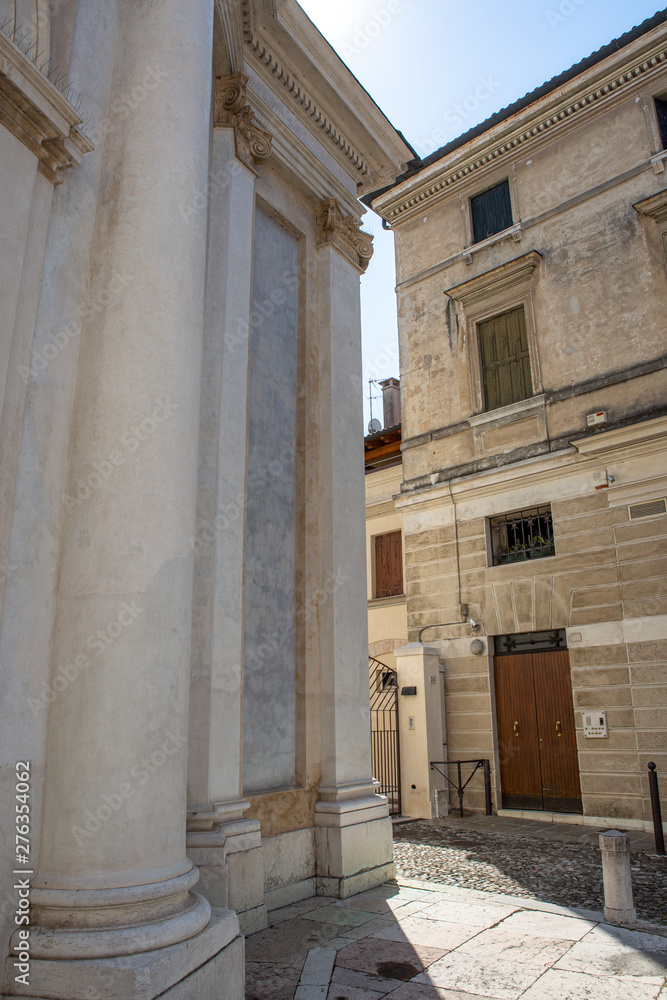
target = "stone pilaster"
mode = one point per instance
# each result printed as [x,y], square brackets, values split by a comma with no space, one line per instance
[114,879]
[226,847]
[353,827]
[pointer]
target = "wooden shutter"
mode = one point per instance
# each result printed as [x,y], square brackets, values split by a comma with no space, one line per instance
[491,211]
[505,359]
[388,564]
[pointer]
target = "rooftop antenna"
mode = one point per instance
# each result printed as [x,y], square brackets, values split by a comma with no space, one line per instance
[371,397]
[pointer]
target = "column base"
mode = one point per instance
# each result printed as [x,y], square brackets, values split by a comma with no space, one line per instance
[207,966]
[231,870]
[353,845]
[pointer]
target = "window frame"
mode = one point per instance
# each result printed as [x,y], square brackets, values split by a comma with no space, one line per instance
[488,408]
[475,239]
[538,510]
[374,538]
[490,294]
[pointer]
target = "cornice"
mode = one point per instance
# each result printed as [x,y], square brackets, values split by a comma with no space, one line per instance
[331,131]
[253,143]
[545,119]
[343,232]
[648,432]
[654,207]
[38,115]
[515,273]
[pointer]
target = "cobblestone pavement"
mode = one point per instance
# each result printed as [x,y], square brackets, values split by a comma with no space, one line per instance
[553,870]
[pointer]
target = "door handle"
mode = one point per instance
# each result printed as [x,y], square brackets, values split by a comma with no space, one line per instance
[516,728]
[558,729]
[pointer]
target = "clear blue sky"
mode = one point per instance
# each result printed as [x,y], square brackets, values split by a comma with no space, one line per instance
[423,62]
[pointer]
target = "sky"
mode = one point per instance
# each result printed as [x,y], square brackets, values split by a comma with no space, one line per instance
[436,68]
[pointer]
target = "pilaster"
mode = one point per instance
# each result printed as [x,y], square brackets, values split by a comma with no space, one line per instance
[226,846]
[353,836]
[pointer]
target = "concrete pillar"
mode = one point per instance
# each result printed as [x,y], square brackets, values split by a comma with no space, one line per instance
[114,881]
[618,902]
[420,726]
[353,840]
[226,847]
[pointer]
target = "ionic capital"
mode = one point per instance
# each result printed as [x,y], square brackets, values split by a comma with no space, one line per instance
[253,142]
[344,232]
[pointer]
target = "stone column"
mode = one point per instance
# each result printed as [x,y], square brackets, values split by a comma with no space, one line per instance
[354,840]
[113,879]
[226,847]
[418,669]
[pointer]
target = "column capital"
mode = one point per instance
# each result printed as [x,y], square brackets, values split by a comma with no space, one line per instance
[253,142]
[334,228]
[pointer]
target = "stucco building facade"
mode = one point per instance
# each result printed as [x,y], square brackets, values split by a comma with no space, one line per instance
[532,294]
[183,635]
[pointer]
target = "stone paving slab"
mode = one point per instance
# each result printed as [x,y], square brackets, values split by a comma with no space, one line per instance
[451,946]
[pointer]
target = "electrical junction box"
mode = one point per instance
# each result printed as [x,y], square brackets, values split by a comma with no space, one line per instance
[600,480]
[595,419]
[595,725]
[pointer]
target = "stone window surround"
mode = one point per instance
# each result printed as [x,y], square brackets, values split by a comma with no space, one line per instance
[470,247]
[490,294]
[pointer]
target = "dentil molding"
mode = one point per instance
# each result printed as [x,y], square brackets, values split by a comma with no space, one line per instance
[253,143]
[344,232]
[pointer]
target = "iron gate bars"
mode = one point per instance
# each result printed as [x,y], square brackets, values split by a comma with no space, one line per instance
[437,765]
[385,757]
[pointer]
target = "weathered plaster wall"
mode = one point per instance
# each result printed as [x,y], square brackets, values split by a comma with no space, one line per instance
[269,735]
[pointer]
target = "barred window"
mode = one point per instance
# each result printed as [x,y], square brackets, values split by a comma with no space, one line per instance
[523,534]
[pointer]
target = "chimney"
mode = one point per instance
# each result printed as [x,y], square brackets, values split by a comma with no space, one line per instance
[391,401]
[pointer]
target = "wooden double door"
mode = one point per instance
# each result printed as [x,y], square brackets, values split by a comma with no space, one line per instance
[536,734]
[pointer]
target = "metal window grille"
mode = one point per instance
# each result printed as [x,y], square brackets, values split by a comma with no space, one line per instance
[529,642]
[521,535]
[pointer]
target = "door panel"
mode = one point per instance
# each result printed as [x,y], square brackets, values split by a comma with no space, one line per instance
[539,766]
[521,779]
[555,724]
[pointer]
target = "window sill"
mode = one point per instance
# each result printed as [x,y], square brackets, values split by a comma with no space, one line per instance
[658,162]
[382,602]
[514,233]
[509,412]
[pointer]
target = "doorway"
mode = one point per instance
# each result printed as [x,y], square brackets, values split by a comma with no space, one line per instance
[536,731]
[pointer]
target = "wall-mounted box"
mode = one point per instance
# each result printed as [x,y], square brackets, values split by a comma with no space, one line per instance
[595,725]
[595,419]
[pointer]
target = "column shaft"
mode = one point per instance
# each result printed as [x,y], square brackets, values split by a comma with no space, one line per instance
[117,733]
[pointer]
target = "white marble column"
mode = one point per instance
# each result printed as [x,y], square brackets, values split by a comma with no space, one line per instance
[353,826]
[225,846]
[114,879]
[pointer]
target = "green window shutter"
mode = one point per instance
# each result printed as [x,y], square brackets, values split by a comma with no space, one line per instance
[505,360]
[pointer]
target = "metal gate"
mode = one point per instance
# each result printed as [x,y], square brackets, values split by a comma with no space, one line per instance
[384,732]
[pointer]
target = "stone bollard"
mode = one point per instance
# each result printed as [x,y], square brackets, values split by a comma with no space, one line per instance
[615,848]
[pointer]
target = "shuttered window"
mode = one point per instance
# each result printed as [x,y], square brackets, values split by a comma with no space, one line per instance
[388,564]
[661,112]
[505,360]
[491,211]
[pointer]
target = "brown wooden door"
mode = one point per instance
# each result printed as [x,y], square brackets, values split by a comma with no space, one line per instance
[538,750]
